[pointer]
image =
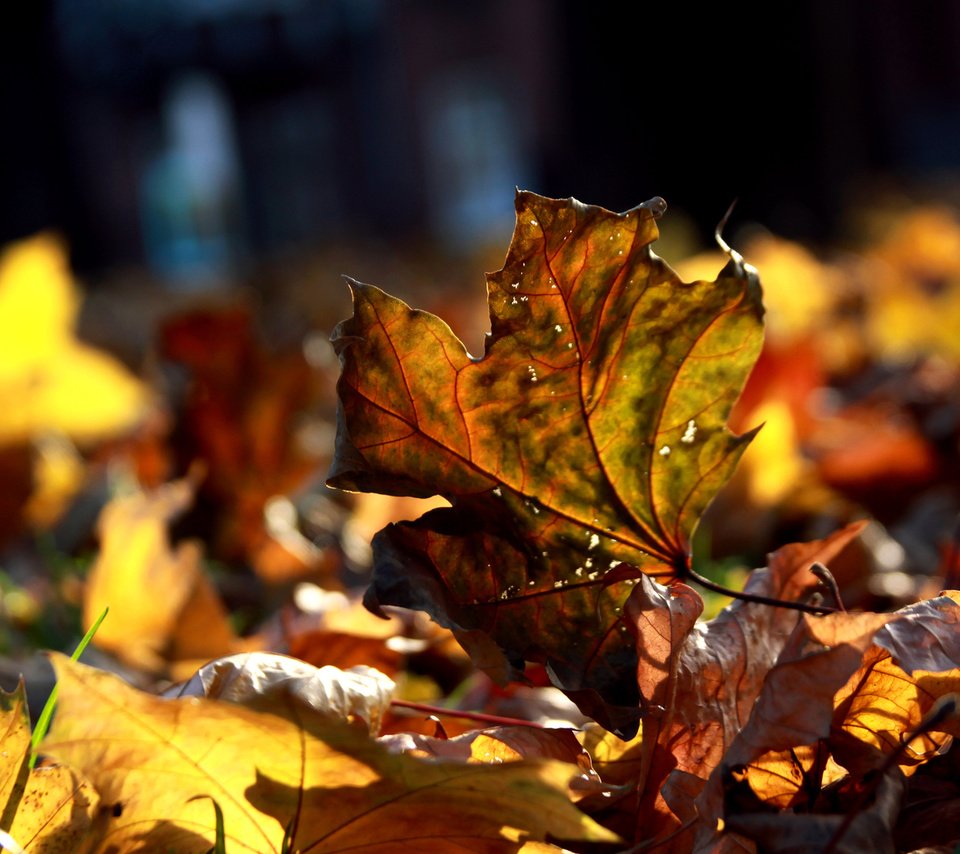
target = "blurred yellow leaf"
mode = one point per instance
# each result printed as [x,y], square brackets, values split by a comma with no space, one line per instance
[336,789]
[58,471]
[48,809]
[49,380]
[773,465]
[911,283]
[163,608]
[799,292]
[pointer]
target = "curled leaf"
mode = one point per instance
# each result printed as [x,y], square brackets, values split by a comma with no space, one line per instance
[306,695]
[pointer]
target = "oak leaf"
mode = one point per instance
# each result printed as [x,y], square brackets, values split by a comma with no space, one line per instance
[577,454]
[153,761]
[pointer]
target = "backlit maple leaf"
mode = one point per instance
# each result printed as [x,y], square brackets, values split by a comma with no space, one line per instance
[578,453]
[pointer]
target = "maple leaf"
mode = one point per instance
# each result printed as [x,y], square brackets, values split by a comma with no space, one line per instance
[156,762]
[49,808]
[577,454]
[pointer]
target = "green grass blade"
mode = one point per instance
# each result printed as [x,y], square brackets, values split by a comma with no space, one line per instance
[220,845]
[43,722]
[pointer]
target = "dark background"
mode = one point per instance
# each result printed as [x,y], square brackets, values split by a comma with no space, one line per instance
[351,120]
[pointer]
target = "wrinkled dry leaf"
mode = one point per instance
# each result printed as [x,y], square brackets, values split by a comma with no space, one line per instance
[163,609]
[308,696]
[888,696]
[702,680]
[148,757]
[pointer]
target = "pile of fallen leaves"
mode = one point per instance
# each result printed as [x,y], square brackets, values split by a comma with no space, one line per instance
[263,708]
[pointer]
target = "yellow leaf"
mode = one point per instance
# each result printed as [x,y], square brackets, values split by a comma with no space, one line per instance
[51,381]
[337,789]
[162,606]
[48,809]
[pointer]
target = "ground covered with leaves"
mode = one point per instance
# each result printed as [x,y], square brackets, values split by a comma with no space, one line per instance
[478,603]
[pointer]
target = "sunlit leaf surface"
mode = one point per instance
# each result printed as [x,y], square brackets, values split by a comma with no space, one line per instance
[335,788]
[578,452]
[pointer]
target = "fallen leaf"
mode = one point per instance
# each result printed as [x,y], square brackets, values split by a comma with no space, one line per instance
[242,413]
[163,609]
[494,745]
[589,438]
[507,744]
[723,666]
[335,789]
[46,809]
[58,384]
[913,663]
[789,833]
[704,679]
[309,696]
[793,778]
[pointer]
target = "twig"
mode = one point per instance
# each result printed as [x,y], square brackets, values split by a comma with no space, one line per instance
[817,610]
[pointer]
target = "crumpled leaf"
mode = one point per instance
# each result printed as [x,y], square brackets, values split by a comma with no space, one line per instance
[46,809]
[51,381]
[792,833]
[589,438]
[163,608]
[306,695]
[703,679]
[337,789]
[914,662]
[834,696]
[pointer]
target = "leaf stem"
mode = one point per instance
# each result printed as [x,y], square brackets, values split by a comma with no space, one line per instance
[817,610]
[827,579]
[480,717]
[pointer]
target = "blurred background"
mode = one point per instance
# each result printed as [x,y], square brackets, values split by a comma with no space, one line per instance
[207,170]
[186,137]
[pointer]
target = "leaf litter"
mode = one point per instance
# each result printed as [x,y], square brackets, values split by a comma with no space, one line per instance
[577,456]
